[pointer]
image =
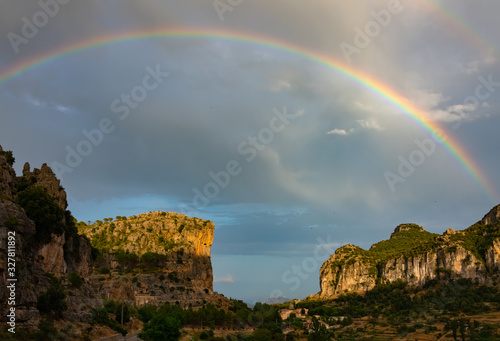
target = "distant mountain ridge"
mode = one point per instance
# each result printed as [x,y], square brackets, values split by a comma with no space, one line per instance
[417,256]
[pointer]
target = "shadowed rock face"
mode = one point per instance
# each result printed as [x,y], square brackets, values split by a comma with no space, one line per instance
[33,257]
[44,177]
[416,256]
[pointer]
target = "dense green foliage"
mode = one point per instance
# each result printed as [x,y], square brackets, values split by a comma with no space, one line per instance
[75,279]
[406,242]
[52,301]
[8,156]
[478,238]
[411,240]
[156,230]
[43,210]
[238,316]
[409,308]
[100,315]
[162,327]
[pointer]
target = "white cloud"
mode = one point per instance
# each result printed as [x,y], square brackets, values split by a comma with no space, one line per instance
[470,67]
[225,279]
[369,124]
[340,132]
[279,84]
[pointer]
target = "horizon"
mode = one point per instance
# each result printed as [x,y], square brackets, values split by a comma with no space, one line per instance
[295,128]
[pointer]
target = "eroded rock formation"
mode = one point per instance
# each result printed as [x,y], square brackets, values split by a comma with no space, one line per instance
[417,256]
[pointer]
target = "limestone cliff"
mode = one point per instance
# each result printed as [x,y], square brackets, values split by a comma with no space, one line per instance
[165,255]
[153,258]
[417,256]
[37,250]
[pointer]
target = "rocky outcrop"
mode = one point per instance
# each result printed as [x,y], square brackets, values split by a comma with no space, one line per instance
[493,257]
[184,275]
[416,256]
[178,269]
[34,258]
[45,177]
[7,177]
[492,216]
[442,263]
[50,256]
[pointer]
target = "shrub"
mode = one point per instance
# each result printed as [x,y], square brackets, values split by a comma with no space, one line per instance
[104,271]
[110,305]
[161,327]
[147,312]
[122,311]
[43,210]
[52,301]
[75,279]
[46,331]
[8,156]
[100,316]
[11,222]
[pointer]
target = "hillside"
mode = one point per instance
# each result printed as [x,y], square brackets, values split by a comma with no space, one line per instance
[416,256]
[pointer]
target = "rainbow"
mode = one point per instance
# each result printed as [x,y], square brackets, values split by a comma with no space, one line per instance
[366,80]
[461,29]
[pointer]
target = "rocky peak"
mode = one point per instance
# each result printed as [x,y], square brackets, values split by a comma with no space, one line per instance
[417,256]
[45,177]
[406,227]
[7,175]
[492,216]
[449,232]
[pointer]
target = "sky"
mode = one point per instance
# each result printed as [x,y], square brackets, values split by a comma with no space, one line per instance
[297,127]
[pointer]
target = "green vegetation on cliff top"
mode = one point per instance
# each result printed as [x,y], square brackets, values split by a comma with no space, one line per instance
[411,239]
[148,232]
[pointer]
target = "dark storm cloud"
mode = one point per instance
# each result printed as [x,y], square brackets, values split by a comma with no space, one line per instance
[321,175]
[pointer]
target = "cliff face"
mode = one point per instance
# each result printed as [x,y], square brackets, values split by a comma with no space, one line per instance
[154,258]
[416,256]
[346,270]
[34,256]
[184,242]
[151,258]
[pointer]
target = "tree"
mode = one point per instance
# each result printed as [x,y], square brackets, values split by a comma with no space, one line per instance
[122,311]
[454,327]
[462,329]
[75,279]
[262,334]
[147,312]
[41,207]
[53,300]
[8,156]
[161,327]
[319,332]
